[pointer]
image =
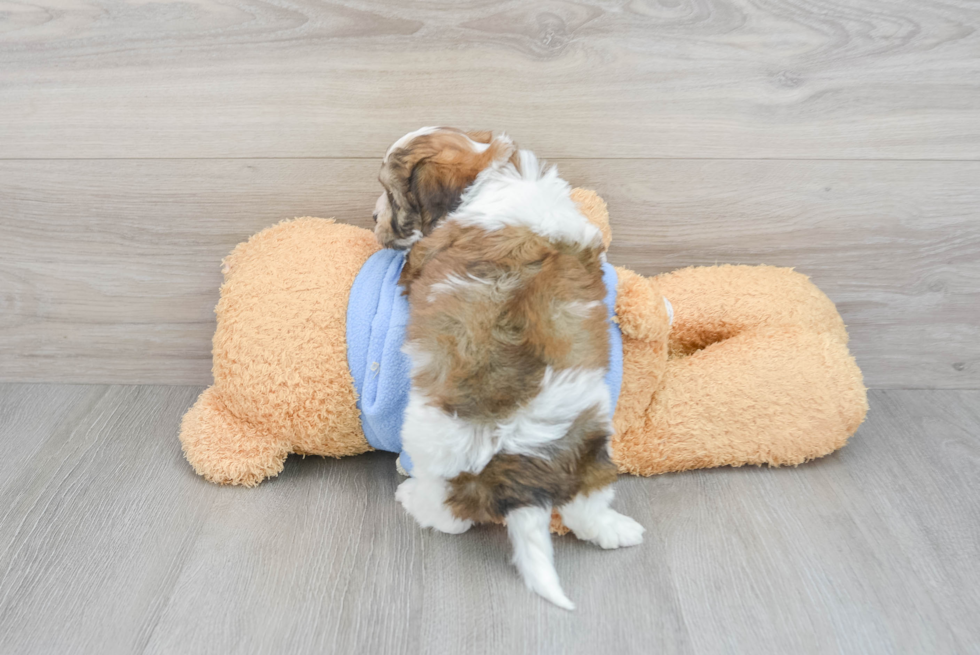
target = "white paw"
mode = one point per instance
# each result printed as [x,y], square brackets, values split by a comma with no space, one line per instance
[424,500]
[451,525]
[618,531]
[405,493]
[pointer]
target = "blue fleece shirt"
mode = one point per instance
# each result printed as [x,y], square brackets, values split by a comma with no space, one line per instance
[377,314]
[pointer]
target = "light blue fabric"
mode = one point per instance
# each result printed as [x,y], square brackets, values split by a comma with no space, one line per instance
[614,378]
[377,314]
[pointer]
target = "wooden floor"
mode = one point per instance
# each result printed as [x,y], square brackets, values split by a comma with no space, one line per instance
[110,544]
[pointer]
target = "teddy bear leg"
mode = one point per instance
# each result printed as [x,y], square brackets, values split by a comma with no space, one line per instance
[226,450]
[714,303]
[777,396]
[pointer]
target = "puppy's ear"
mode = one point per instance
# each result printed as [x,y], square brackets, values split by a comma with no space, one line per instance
[444,165]
[438,182]
[481,136]
[404,218]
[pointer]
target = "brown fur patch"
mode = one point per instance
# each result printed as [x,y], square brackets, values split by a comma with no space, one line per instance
[577,463]
[495,309]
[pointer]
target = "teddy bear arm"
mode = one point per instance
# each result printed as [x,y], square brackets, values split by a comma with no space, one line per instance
[594,208]
[640,308]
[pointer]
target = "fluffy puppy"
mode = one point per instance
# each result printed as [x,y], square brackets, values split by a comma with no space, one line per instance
[508,415]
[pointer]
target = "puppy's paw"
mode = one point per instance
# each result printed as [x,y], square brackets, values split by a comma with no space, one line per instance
[618,531]
[425,501]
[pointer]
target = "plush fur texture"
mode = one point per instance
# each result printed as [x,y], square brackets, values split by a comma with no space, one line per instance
[754,370]
[756,366]
[281,380]
[509,414]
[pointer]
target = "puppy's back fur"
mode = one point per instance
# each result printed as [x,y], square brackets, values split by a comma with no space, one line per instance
[508,333]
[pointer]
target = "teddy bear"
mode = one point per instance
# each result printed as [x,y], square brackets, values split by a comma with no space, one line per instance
[717,366]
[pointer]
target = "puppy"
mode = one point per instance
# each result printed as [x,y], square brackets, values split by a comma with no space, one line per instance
[508,414]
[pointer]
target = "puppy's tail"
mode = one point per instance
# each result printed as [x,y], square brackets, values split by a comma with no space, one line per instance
[528,528]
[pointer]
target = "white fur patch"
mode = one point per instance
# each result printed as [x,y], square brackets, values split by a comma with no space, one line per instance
[549,415]
[534,198]
[577,308]
[420,358]
[425,500]
[592,519]
[445,446]
[497,289]
[402,244]
[528,529]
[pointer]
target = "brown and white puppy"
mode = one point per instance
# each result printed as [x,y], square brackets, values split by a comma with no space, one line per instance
[509,414]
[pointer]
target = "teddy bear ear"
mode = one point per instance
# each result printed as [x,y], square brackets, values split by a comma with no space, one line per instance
[594,208]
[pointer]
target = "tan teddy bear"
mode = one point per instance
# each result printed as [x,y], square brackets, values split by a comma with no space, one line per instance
[753,367]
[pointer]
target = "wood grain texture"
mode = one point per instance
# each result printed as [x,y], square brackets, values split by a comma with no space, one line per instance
[109,270]
[96,522]
[109,543]
[30,412]
[685,78]
[896,245]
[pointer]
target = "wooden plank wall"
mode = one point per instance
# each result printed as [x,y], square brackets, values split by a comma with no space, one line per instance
[139,142]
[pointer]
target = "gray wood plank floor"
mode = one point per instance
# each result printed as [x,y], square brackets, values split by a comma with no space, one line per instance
[110,544]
